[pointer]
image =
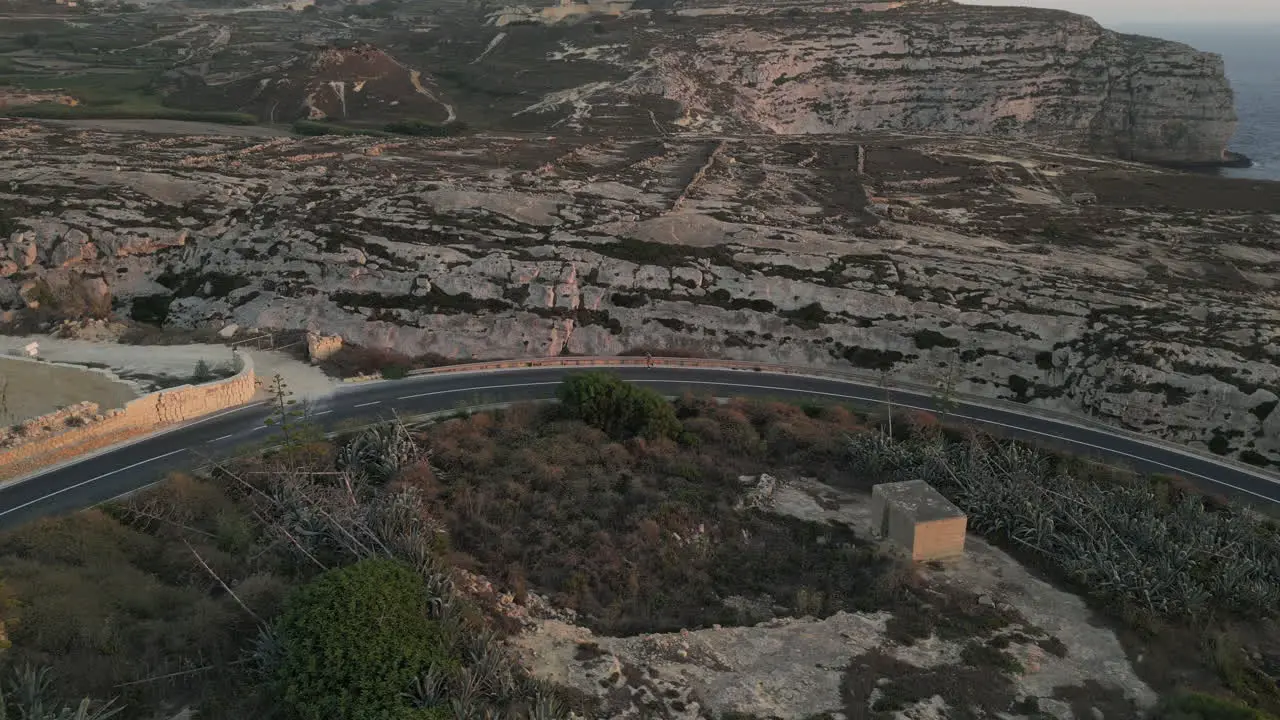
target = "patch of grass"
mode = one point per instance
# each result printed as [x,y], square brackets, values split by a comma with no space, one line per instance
[423,128]
[983,655]
[123,111]
[1201,706]
[970,690]
[314,128]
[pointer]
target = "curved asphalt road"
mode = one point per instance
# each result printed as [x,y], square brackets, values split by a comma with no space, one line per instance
[117,471]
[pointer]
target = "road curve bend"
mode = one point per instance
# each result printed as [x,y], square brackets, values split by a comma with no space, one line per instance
[122,469]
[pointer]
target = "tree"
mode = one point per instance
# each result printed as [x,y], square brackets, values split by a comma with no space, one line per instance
[283,413]
[944,395]
[619,408]
[353,640]
[888,398]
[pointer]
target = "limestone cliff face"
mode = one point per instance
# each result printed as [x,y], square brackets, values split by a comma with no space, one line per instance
[1044,75]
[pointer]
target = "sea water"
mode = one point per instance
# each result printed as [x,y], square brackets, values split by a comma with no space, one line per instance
[1252,54]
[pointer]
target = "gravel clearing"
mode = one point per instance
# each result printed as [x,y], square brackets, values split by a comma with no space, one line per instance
[29,389]
[143,365]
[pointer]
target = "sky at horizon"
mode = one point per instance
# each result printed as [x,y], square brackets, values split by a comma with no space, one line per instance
[1160,12]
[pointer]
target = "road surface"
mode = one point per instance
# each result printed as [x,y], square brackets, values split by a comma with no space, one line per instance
[112,473]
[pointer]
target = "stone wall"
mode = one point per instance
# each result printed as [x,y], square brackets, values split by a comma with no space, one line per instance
[145,414]
[320,347]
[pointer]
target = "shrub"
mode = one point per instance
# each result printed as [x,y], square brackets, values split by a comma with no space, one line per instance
[352,360]
[315,128]
[202,373]
[623,410]
[423,128]
[353,640]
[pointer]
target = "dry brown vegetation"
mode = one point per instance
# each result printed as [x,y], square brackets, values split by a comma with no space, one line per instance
[642,535]
[635,535]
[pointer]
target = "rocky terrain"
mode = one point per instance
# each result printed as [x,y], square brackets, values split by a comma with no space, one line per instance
[1140,296]
[850,664]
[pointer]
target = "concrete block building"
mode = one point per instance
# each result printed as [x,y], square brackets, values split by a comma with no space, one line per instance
[920,519]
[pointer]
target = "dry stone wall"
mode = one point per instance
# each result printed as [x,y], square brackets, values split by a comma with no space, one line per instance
[145,414]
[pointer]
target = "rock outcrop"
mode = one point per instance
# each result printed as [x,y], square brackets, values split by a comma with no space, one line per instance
[1154,306]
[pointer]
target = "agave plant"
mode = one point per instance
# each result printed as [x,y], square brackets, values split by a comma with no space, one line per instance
[379,452]
[1115,539]
[29,697]
[429,689]
[546,707]
[265,654]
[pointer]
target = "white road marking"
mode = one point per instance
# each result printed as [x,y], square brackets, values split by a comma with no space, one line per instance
[474,389]
[224,437]
[260,427]
[1082,443]
[86,482]
[322,412]
[224,413]
[375,402]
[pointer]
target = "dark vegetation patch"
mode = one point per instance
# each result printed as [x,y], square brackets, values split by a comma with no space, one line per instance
[640,534]
[628,301]
[434,300]
[869,358]
[809,317]
[351,360]
[947,613]
[1206,577]
[319,128]
[422,128]
[929,339]
[968,689]
[204,285]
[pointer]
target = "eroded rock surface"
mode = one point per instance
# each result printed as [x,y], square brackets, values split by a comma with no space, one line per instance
[1143,297]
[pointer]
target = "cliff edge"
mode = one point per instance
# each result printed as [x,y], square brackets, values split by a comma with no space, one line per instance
[1019,73]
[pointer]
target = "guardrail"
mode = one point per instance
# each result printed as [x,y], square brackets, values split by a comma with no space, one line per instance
[865,378]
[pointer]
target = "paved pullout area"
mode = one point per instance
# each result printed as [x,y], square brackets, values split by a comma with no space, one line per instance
[110,474]
[142,365]
[29,389]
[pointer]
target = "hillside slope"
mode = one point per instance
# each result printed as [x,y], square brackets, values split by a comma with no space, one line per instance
[1154,307]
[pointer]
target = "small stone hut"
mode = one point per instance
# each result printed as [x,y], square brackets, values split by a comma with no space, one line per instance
[920,519]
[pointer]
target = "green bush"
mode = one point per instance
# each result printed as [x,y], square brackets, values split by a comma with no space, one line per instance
[1199,706]
[395,372]
[427,129]
[353,640]
[315,128]
[607,402]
